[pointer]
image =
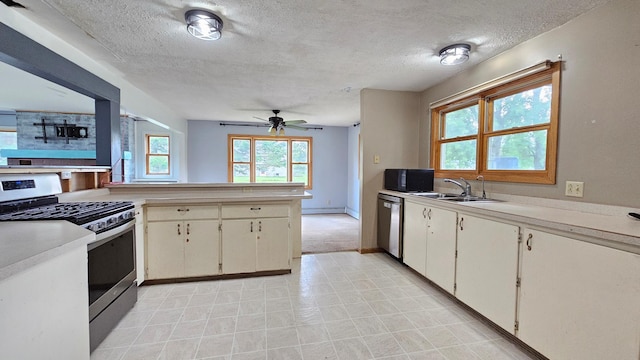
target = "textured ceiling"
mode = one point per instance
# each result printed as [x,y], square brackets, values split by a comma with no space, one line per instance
[308,58]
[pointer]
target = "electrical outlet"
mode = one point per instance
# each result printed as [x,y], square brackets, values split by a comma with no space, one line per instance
[376,159]
[574,188]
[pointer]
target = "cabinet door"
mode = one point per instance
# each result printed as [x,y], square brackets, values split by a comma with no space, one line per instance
[272,244]
[487,268]
[414,252]
[239,246]
[441,247]
[165,251]
[201,247]
[579,300]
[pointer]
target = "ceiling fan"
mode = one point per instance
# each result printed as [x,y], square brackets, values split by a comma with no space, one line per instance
[278,124]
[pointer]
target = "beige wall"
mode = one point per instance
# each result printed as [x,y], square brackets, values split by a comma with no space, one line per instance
[389,124]
[599,134]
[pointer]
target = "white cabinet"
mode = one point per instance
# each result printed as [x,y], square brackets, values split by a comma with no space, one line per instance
[578,300]
[429,243]
[255,237]
[441,247]
[487,268]
[414,253]
[140,252]
[182,241]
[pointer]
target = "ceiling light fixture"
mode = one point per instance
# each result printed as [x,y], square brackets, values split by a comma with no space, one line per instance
[203,24]
[454,54]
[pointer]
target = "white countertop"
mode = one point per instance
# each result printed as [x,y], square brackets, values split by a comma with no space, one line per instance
[615,230]
[24,244]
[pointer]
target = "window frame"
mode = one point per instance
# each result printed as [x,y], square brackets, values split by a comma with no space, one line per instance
[252,157]
[484,99]
[148,154]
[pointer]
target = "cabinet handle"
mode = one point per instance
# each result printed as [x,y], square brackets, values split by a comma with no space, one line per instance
[179,233]
[256,208]
[424,213]
[260,226]
[252,226]
[529,241]
[429,214]
[188,229]
[461,220]
[181,210]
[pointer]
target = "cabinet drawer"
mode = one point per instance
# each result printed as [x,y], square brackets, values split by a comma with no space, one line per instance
[186,212]
[254,211]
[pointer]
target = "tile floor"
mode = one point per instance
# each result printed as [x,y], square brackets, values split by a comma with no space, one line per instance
[341,305]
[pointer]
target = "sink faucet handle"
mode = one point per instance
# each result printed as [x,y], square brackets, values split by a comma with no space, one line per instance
[467,190]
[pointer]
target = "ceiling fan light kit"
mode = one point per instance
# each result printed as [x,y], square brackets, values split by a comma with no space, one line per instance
[278,124]
[203,24]
[454,54]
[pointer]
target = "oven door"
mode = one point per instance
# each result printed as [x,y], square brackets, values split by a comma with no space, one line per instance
[111,263]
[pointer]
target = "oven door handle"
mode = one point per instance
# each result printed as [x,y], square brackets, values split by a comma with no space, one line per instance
[110,234]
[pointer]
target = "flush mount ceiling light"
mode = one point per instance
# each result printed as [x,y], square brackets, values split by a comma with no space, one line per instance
[203,24]
[454,54]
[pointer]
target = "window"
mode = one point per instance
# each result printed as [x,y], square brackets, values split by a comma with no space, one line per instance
[8,140]
[269,160]
[505,133]
[157,152]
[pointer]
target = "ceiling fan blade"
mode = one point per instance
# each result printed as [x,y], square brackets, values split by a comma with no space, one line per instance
[255,117]
[295,122]
[297,127]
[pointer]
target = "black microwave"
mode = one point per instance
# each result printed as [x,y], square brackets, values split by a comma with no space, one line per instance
[408,180]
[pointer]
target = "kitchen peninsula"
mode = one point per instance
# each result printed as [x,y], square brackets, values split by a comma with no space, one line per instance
[196,230]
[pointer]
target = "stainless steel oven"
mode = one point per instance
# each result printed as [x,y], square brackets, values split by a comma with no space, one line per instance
[112,289]
[112,275]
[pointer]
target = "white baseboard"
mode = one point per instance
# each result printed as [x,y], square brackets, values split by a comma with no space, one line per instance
[311,211]
[354,214]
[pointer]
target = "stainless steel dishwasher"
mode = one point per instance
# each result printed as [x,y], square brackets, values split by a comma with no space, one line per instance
[390,224]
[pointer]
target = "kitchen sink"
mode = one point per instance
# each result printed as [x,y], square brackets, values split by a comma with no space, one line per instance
[435,195]
[454,197]
[468,198]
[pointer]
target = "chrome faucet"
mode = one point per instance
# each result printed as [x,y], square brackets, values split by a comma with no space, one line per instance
[480,177]
[466,189]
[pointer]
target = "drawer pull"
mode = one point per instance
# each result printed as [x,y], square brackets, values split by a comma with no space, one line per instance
[181,210]
[256,208]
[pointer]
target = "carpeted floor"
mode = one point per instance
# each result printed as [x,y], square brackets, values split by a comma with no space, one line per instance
[329,232]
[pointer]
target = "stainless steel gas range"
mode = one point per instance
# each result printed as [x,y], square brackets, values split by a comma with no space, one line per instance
[111,257]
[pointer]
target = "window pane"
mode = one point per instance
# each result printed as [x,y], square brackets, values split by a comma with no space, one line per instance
[522,151]
[460,155]
[158,145]
[158,164]
[271,161]
[241,173]
[461,122]
[526,108]
[241,150]
[301,173]
[300,152]
[8,140]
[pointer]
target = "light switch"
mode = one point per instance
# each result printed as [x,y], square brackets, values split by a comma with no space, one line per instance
[376,159]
